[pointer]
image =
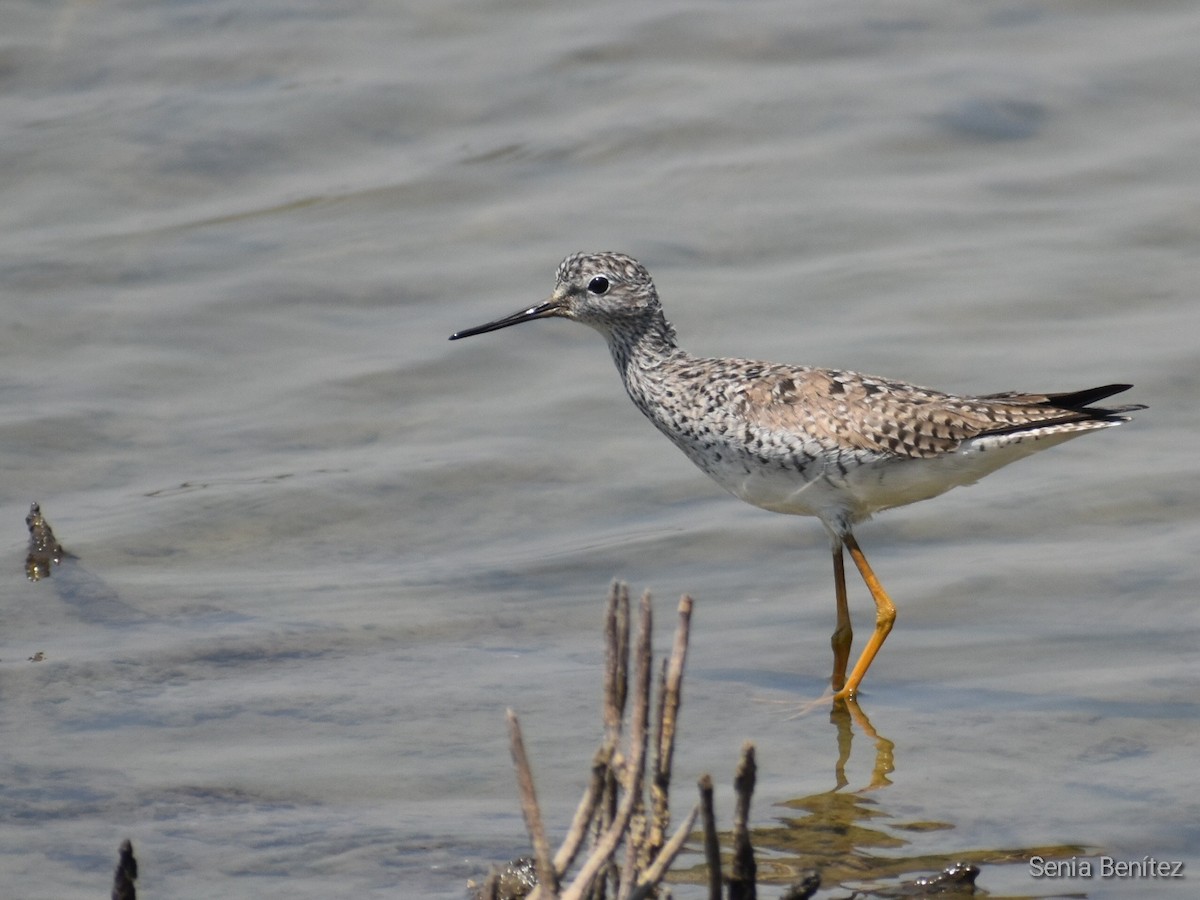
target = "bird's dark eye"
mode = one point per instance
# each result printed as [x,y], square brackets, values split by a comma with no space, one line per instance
[598,285]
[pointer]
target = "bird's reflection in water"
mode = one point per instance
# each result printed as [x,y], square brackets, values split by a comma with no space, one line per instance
[845,715]
[838,831]
[849,837]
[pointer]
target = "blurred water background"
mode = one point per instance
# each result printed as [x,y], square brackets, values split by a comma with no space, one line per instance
[318,549]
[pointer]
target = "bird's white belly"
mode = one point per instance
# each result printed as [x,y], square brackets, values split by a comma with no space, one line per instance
[860,486]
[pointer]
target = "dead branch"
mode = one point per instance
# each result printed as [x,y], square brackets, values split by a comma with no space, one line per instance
[618,806]
[712,849]
[743,871]
[547,877]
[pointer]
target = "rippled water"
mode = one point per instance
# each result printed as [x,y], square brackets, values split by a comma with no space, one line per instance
[318,549]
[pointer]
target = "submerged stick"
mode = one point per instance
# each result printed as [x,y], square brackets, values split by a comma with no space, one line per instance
[126,873]
[712,849]
[635,767]
[669,698]
[547,878]
[586,810]
[743,870]
[657,870]
[616,658]
[626,799]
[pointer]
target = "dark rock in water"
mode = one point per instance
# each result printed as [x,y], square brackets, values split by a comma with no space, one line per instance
[803,889]
[44,550]
[957,879]
[90,597]
[512,881]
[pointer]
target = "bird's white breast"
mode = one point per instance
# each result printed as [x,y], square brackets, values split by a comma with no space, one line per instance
[843,488]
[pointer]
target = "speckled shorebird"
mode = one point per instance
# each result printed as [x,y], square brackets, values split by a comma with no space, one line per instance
[806,441]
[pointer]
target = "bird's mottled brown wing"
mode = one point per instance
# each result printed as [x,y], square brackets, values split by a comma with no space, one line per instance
[862,412]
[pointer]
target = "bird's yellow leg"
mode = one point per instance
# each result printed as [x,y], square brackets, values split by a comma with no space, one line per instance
[843,634]
[885,617]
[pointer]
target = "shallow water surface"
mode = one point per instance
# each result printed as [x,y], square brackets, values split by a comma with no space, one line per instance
[317,549]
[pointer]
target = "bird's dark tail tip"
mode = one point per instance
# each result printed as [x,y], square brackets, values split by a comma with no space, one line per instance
[1081,401]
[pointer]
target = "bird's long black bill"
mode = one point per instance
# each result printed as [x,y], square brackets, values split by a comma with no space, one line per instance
[541,311]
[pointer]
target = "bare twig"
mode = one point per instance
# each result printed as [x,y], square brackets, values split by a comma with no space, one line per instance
[658,869]
[616,691]
[619,805]
[743,871]
[127,871]
[643,665]
[607,843]
[641,686]
[611,800]
[635,845]
[669,698]
[712,849]
[586,811]
[616,688]
[635,766]
[616,662]
[547,878]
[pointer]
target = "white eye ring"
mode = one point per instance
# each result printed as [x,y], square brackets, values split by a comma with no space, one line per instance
[598,285]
